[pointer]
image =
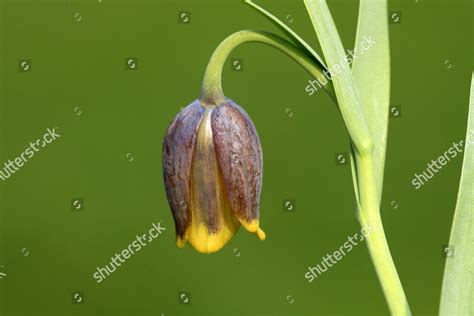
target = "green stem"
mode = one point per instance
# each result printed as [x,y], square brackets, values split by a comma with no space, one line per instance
[369,216]
[212,93]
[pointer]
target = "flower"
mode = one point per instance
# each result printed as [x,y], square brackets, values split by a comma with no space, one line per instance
[212,167]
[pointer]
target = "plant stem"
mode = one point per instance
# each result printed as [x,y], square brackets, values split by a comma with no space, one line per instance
[212,93]
[369,216]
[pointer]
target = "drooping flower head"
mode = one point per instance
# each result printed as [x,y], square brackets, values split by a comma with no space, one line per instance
[212,166]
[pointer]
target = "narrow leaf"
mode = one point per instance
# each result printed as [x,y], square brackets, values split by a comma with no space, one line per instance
[371,71]
[457,296]
[294,38]
[341,74]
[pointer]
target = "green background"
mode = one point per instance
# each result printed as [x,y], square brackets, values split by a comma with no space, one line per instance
[124,114]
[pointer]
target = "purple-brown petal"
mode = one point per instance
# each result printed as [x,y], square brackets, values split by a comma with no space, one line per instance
[178,148]
[240,156]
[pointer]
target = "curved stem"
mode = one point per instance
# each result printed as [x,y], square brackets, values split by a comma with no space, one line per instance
[369,216]
[212,93]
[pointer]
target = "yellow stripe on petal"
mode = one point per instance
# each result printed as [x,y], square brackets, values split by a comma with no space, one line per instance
[213,223]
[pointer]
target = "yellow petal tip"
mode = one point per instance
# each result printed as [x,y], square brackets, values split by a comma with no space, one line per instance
[180,242]
[254,227]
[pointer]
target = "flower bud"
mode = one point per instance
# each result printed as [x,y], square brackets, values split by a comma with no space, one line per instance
[212,166]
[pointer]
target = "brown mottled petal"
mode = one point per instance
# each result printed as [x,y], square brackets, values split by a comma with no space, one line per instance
[240,156]
[178,147]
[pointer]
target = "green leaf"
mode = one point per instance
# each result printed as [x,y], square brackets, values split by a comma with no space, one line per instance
[457,295]
[371,71]
[294,38]
[341,74]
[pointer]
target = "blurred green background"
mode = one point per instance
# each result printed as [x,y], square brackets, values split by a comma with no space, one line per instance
[112,121]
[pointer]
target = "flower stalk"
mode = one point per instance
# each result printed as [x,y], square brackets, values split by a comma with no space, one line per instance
[369,214]
[212,93]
